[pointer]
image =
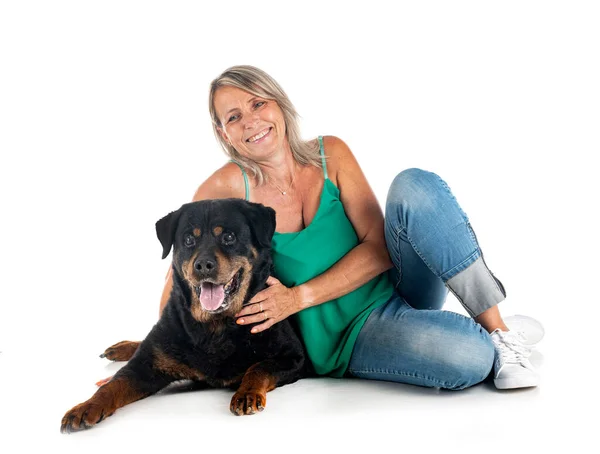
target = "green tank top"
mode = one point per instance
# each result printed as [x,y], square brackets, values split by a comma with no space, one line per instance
[329,330]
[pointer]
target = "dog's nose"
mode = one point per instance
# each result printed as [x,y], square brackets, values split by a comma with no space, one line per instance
[204,265]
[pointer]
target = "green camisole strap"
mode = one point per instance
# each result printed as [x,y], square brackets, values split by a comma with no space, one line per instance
[245,179]
[322,151]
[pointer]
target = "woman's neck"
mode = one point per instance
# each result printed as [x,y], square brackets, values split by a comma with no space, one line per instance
[280,167]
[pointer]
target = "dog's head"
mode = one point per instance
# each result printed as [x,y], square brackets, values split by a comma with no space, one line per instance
[221,250]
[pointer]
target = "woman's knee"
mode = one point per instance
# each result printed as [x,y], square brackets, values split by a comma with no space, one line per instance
[413,188]
[473,365]
[461,349]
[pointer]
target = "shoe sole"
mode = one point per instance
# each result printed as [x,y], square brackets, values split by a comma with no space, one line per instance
[518,382]
[523,323]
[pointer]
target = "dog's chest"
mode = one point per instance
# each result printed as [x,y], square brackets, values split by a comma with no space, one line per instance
[224,357]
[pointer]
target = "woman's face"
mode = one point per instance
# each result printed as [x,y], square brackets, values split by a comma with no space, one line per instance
[254,126]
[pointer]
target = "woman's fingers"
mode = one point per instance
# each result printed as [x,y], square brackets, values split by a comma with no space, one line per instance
[251,309]
[263,326]
[272,280]
[255,318]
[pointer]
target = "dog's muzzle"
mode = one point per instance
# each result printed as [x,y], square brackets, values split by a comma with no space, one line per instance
[215,297]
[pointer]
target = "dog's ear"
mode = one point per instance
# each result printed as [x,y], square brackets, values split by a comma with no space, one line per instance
[262,223]
[165,230]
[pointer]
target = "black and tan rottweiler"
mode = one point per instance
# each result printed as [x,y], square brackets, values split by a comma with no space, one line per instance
[221,259]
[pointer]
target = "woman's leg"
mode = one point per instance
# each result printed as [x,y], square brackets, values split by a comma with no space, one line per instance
[422,347]
[434,248]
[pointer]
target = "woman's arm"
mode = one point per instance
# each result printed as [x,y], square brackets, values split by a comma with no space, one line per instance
[367,260]
[224,183]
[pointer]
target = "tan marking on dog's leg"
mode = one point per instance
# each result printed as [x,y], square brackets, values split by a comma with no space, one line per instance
[252,393]
[113,395]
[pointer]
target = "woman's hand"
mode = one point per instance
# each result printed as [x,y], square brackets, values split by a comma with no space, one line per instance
[270,306]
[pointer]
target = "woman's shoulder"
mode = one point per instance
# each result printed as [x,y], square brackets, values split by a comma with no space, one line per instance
[339,156]
[225,182]
[335,148]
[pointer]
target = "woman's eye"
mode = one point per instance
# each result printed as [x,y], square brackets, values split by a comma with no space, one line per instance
[232,118]
[228,239]
[259,104]
[189,241]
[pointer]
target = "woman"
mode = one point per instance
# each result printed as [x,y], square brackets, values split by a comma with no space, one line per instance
[332,251]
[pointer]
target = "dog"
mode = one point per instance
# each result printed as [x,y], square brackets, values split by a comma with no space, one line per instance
[221,259]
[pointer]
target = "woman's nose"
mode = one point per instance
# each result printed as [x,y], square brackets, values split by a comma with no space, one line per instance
[251,120]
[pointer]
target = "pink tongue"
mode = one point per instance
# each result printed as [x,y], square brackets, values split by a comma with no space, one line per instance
[211,296]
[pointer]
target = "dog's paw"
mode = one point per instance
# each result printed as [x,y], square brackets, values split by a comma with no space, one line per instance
[121,351]
[248,402]
[84,416]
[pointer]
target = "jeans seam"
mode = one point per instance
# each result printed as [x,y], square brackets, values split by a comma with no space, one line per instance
[489,273]
[397,252]
[472,234]
[499,285]
[447,188]
[416,249]
[404,374]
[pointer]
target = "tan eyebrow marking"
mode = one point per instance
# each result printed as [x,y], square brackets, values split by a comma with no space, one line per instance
[196,232]
[218,230]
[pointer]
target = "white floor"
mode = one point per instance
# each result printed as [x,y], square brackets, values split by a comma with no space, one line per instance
[315,415]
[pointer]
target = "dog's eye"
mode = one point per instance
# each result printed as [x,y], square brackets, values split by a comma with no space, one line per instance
[228,238]
[189,241]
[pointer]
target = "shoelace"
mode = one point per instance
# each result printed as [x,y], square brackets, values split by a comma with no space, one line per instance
[515,351]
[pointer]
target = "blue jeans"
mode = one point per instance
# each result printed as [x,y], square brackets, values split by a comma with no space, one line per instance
[434,249]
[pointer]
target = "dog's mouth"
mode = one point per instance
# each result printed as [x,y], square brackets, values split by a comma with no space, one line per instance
[215,297]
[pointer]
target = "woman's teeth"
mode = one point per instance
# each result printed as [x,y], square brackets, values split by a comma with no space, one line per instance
[260,135]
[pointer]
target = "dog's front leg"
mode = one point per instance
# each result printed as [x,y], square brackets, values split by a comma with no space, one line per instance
[114,394]
[132,382]
[251,396]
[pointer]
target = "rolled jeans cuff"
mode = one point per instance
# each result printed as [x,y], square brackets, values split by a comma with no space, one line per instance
[477,288]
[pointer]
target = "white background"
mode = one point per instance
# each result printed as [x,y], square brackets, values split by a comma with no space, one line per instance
[104,128]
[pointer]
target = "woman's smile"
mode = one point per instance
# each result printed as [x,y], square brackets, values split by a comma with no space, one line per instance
[260,137]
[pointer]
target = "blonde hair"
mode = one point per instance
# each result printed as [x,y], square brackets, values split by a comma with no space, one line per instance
[259,83]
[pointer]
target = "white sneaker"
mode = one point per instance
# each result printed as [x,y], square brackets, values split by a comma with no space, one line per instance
[529,329]
[512,368]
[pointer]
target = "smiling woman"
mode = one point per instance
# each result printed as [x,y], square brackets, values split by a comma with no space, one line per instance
[257,97]
[261,115]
